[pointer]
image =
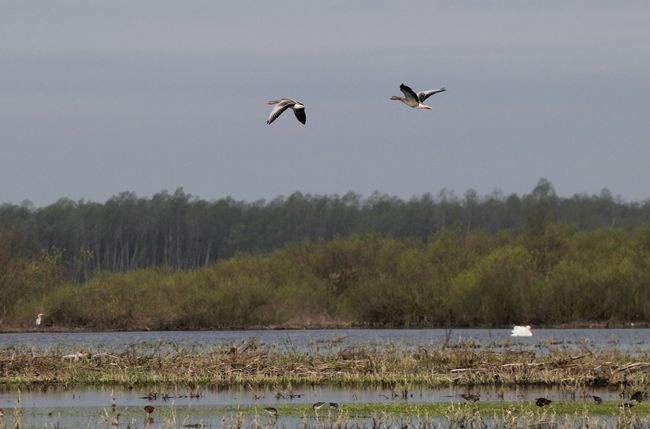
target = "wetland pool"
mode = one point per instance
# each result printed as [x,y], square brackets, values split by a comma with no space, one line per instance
[218,408]
[55,397]
[334,340]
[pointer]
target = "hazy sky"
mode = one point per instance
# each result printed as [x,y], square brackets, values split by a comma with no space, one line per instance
[99,97]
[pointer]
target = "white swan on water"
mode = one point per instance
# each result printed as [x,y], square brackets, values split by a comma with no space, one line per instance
[521,331]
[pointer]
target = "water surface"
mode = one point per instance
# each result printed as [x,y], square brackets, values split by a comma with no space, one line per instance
[175,407]
[333,340]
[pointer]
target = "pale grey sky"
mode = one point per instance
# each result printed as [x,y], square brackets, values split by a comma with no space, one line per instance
[99,97]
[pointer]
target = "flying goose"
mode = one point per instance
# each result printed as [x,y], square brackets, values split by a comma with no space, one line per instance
[414,100]
[283,104]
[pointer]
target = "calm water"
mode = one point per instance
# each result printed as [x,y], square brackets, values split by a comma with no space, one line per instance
[96,398]
[332,340]
[91,407]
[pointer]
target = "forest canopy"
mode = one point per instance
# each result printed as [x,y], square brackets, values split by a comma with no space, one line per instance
[180,231]
[175,261]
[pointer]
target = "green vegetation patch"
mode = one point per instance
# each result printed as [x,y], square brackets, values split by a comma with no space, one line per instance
[575,409]
[553,275]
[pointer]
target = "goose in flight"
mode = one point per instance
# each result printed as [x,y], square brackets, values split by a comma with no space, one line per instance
[414,100]
[283,104]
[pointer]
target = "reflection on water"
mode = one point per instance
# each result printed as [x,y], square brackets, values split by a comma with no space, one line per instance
[333,340]
[186,417]
[164,396]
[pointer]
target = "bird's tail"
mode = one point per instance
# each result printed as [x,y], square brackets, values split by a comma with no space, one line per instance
[395,97]
[272,102]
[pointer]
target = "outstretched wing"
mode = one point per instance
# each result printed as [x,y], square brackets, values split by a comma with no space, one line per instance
[300,114]
[278,109]
[409,93]
[423,95]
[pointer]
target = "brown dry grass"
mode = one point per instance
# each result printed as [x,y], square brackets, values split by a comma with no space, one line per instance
[253,365]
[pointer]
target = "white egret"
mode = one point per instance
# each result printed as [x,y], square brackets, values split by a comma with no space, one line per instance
[39,319]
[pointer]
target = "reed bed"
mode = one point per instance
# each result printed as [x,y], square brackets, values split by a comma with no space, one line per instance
[256,366]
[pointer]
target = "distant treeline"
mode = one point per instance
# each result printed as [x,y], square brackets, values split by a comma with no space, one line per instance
[552,276]
[182,232]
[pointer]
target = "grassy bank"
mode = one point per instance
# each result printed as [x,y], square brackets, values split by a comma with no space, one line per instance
[255,366]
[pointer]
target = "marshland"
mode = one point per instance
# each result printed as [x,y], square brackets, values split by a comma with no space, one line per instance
[117,333]
[384,384]
[393,364]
